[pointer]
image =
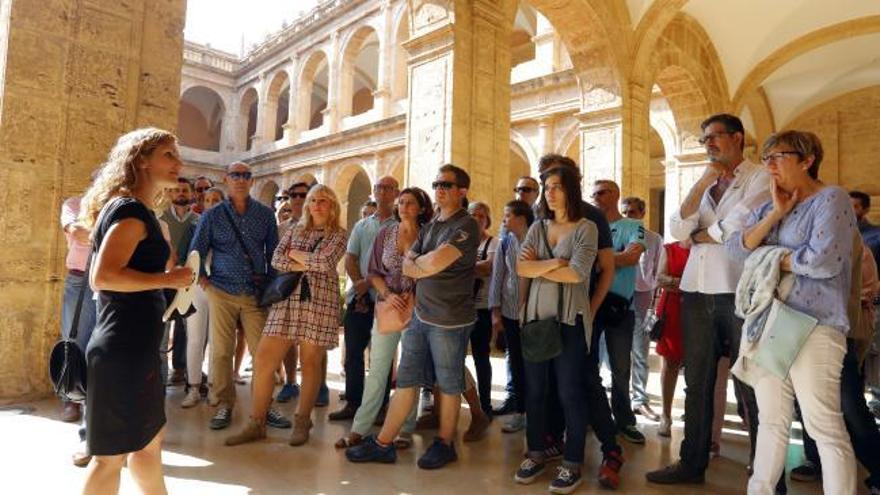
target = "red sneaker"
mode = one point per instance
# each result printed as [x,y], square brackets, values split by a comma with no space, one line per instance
[609,472]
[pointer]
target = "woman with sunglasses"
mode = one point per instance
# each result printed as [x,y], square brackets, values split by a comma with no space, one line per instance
[816,224]
[308,317]
[557,256]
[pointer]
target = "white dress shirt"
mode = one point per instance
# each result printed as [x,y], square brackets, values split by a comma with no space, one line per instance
[646,275]
[709,269]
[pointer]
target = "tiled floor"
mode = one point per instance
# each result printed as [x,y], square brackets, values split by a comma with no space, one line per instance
[36,446]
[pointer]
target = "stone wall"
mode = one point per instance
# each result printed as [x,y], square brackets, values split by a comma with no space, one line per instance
[848,127]
[76,76]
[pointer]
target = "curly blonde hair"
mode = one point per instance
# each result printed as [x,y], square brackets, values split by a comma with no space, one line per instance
[118,175]
[333,222]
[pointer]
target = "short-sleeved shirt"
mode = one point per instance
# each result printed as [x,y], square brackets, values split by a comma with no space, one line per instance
[446,299]
[360,242]
[624,232]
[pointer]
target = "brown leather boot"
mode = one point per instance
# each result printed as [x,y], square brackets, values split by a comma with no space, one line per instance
[301,427]
[252,432]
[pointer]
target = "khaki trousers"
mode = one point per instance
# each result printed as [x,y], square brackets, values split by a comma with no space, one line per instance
[226,311]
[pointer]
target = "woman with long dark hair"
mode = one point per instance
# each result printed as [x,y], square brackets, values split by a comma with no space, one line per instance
[557,256]
[386,275]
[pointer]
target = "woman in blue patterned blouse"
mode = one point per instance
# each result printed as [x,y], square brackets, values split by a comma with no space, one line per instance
[817,224]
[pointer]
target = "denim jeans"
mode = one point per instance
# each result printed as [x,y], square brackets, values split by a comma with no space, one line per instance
[570,389]
[618,342]
[515,364]
[598,408]
[383,348]
[357,337]
[640,345]
[709,328]
[430,354]
[87,315]
[481,337]
[859,421]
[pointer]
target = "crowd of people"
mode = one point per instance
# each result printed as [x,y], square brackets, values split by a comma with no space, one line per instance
[771,277]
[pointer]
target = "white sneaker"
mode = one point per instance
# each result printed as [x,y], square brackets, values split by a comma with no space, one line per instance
[193,397]
[516,423]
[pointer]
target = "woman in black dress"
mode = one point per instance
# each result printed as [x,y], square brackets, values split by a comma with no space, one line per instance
[126,396]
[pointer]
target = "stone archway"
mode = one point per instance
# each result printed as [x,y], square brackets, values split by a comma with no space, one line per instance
[313,89]
[267,192]
[200,118]
[359,73]
[248,109]
[277,105]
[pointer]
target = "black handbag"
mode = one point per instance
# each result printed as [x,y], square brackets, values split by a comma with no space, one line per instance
[613,310]
[653,324]
[282,286]
[67,362]
[542,339]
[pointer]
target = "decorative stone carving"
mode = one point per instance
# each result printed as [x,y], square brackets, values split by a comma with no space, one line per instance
[428,14]
[426,140]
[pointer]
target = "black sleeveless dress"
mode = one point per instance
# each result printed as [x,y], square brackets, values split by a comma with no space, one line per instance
[125,396]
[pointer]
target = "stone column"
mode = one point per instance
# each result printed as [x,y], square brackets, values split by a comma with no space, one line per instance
[291,131]
[601,153]
[74,77]
[334,62]
[459,70]
[231,132]
[382,94]
[265,122]
[548,45]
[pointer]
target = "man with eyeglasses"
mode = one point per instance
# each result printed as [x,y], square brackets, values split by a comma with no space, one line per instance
[231,287]
[361,298]
[201,185]
[646,283]
[718,205]
[442,260]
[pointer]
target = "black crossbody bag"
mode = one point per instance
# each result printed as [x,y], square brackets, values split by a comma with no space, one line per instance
[542,339]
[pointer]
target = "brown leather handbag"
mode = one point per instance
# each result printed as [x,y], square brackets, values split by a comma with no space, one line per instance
[389,319]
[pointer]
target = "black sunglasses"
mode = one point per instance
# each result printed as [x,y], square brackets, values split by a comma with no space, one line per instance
[240,175]
[281,198]
[443,184]
[300,195]
[524,189]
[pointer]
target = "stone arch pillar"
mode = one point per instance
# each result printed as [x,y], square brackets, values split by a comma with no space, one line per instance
[459,69]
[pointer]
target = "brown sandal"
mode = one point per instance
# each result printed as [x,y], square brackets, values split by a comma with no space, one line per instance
[350,441]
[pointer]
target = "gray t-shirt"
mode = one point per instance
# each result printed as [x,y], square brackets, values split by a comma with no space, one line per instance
[446,299]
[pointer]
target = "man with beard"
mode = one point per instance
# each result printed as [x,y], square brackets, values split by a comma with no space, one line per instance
[181,221]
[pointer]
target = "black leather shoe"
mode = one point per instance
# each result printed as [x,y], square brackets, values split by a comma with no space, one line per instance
[674,474]
[346,412]
[507,407]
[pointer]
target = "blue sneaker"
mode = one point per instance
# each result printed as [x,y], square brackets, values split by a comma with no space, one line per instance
[323,399]
[528,471]
[567,480]
[275,419]
[438,455]
[288,391]
[370,451]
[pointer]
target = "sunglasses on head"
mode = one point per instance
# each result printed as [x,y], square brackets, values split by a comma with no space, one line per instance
[239,175]
[300,195]
[443,184]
